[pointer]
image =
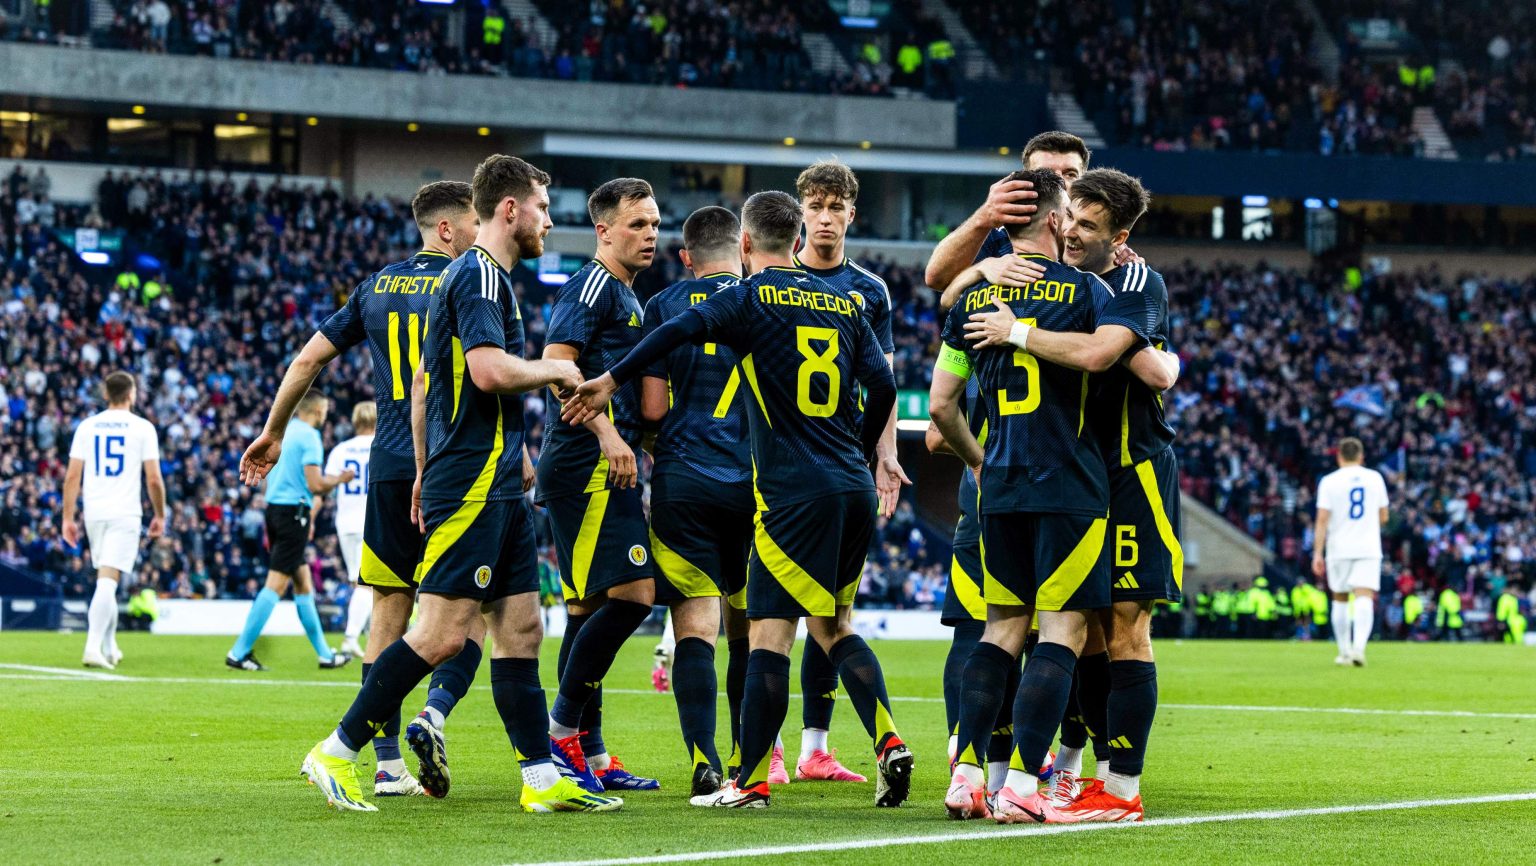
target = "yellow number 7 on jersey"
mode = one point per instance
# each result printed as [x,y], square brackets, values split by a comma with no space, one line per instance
[1031,401]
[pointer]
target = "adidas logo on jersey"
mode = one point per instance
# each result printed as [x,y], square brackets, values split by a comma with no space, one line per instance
[1127,581]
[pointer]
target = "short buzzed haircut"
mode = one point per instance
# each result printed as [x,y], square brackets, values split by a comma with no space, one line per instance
[118,385]
[608,198]
[711,234]
[444,198]
[1122,197]
[827,177]
[500,177]
[772,220]
[312,399]
[1049,189]
[1351,449]
[1056,141]
[365,415]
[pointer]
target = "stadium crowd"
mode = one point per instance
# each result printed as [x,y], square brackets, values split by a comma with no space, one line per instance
[698,43]
[1432,370]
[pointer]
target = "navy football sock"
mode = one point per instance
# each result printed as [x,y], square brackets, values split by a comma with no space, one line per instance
[981,699]
[520,702]
[394,674]
[1042,698]
[695,687]
[1093,684]
[967,635]
[386,743]
[738,651]
[763,710]
[818,687]
[860,671]
[1132,706]
[452,679]
[592,654]
[1000,749]
[1074,734]
[592,725]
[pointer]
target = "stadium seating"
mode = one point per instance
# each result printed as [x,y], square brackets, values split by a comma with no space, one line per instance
[1441,358]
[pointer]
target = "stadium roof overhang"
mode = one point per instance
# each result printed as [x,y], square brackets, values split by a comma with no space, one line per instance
[784,155]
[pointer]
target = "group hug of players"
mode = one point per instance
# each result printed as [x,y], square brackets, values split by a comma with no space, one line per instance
[763,389]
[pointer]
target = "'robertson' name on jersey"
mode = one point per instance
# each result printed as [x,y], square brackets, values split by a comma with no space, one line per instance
[804,349]
[389,310]
[596,313]
[702,451]
[1038,455]
[1126,415]
[474,438]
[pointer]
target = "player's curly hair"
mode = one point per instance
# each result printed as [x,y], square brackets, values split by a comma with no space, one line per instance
[500,177]
[827,177]
[612,195]
[439,199]
[1122,197]
[772,220]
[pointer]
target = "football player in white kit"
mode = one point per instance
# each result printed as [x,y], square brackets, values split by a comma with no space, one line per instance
[351,507]
[1351,508]
[108,452]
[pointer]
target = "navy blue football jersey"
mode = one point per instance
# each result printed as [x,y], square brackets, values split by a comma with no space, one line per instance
[867,290]
[1126,415]
[702,452]
[474,438]
[805,347]
[389,310]
[599,315]
[1039,454]
[996,244]
[976,417]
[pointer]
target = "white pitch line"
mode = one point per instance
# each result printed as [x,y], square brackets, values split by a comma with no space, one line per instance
[67,675]
[1036,830]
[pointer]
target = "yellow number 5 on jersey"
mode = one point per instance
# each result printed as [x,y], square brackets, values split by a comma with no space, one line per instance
[1031,401]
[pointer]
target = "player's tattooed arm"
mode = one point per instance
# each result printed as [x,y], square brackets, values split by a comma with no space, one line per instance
[996,271]
[1008,202]
[935,442]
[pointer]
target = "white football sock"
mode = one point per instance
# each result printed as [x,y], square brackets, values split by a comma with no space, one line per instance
[1365,617]
[395,767]
[540,776]
[1069,761]
[334,747]
[1022,782]
[668,637]
[1122,786]
[435,716]
[358,610]
[599,761]
[109,646]
[970,773]
[1339,619]
[954,744]
[997,774]
[559,731]
[812,740]
[101,613]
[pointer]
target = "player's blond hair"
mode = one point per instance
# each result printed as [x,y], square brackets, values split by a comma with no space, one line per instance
[365,415]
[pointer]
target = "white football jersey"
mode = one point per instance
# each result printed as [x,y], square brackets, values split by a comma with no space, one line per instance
[1354,497]
[114,446]
[352,497]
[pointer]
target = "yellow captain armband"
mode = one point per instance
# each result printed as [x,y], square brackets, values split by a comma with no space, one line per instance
[952,360]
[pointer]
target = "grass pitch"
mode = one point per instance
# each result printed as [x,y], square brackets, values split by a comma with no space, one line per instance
[183,761]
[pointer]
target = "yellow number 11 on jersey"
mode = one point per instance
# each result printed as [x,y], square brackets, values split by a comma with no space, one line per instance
[399,374]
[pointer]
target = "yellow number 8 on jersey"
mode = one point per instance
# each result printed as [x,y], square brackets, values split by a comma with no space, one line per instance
[1031,401]
[824,362]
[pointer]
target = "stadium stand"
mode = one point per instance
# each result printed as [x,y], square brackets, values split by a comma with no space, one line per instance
[1440,359]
